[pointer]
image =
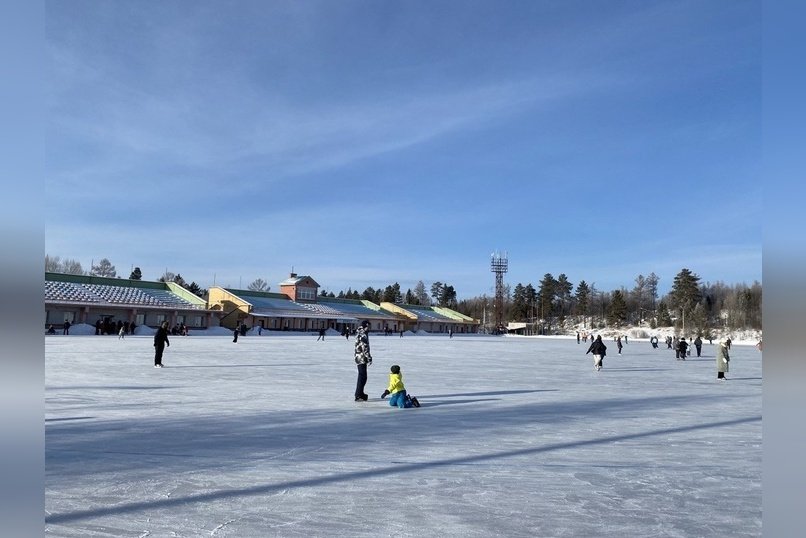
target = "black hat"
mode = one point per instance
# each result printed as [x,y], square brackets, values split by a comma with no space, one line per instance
[395,369]
[365,324]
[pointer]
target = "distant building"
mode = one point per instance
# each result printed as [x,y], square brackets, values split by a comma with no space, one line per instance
[89,299]
[298,307]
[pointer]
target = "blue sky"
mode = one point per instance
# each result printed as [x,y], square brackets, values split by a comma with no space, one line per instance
[372,142]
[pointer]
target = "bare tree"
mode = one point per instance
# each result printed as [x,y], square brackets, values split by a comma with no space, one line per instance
[259,285]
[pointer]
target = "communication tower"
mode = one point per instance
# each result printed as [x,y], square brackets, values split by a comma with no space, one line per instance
[499,264]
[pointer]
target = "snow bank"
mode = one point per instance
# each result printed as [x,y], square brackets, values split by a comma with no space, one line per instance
[81,329]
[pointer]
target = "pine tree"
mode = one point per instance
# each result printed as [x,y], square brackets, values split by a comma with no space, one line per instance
[685,293]
[447,296]
[617,313]
[196,289]
[546,296]
[664,318]
[104,268]
[519,306]
[563,290]
[583,298]
[436,291]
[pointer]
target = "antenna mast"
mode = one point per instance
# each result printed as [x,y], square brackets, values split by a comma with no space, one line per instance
[499,264]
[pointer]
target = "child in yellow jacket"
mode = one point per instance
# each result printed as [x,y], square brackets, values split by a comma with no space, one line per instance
[398,390]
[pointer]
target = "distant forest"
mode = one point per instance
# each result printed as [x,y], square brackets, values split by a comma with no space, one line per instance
[554,304]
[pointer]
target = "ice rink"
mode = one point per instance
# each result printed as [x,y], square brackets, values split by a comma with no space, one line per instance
[515,437]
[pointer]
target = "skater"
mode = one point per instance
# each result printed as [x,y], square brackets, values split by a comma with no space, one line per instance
[618,344]
[599,350]
[235,334]
[66,327]
[396,388]
[722,360]
[579,338]
[160,341]
[698,345]
[727,342]
[682,346]
[625,339]
[363,359]
[654,342]
[121,333]
[51,330]
[321,335]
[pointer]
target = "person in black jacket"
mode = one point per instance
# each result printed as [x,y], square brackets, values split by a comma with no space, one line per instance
[682,346]
[160,341]
[599,350]
[698,344]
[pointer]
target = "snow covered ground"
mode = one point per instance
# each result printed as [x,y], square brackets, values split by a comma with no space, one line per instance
[515,437]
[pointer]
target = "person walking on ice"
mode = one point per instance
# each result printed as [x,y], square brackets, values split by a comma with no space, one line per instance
[398,391]
[599,350]
[682,347]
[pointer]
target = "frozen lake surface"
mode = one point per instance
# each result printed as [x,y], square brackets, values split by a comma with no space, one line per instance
[515,437]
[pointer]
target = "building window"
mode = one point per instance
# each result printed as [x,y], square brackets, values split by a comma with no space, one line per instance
[308,294]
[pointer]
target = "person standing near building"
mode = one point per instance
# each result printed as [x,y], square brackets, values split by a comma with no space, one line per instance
[722,360]
[66,327]
[363,359]
[160,341]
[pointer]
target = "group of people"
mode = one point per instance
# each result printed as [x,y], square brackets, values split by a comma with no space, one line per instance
[680,346]
[65,328]
[363,358]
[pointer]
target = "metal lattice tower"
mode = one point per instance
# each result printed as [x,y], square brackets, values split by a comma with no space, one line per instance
[499,265]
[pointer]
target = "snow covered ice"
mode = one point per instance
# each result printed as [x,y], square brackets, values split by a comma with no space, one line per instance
[515,437]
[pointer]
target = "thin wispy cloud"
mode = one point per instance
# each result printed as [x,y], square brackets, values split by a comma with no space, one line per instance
[373,143]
